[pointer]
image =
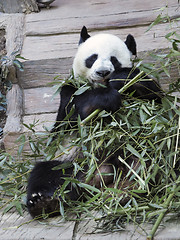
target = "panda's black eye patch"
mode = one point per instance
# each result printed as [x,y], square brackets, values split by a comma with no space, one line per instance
[115,63]
[90,60]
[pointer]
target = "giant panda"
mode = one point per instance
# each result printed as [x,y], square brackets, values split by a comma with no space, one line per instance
[101,59]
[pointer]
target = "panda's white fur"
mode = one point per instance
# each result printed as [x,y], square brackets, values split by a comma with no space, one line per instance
[105,46]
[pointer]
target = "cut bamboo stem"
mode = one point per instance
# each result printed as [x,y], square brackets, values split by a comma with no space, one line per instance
[161,216]
[124,88]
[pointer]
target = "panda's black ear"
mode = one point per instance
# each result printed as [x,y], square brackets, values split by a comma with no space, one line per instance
[131,44]
[84,35]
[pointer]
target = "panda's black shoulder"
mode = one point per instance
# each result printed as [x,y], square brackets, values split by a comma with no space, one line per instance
[67,91]
[125,73]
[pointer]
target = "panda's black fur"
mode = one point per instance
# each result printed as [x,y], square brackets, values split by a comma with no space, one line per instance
[144,89]
[47,178]
[44,181]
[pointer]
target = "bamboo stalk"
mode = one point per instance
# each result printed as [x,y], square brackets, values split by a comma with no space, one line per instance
[136,209]
[124,88]
[132,170]
[161,216]
[126,210]
[130,83]
[177,140]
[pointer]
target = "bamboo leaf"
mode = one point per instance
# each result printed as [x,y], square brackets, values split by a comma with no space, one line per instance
[81,90]
[133,151]
[89,187]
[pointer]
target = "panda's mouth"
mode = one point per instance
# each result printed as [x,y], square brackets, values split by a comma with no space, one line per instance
[100,78]
[100,82]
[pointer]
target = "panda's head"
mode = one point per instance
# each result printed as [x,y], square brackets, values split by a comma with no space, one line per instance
[100,55]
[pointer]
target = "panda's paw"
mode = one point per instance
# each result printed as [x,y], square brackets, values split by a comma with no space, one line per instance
[34,199]
[39,204]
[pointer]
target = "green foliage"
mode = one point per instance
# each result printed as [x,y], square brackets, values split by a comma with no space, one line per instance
[13,178]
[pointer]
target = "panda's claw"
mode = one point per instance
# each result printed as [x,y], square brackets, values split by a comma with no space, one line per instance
[34,199]
[38,203]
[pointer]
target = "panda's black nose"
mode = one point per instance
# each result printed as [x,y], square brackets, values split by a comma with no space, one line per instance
[103,73]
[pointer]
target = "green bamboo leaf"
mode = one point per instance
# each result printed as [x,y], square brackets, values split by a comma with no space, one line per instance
[89,187]
[133,151]
[18,64]
[169,143]
[93,199]
[114,190]
[9,207]
[19,208]
[157,20]
[154,205]
[143,116]
[146,110]
[138,191]
[81,90]
[61,207]
[114,124]
[32,146]
[64,165]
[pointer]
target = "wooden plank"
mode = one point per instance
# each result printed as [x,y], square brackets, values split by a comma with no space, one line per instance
[14,110]
[10,142]
[39,73]
[16,227]
[43,121]
[65,46]
[40,100]
[14,27]
[50,47]
[69,16]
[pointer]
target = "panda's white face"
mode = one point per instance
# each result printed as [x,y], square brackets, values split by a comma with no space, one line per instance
[97,56]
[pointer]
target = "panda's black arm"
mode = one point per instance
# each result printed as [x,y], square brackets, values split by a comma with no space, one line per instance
[100,98]
[65,105]
[108,99]
[44,181]
[144,89]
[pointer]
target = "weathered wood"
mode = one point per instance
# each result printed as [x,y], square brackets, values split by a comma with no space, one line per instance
[16,227]
[169,231]
[42,121]
[65,46]
[18,6]
[11,144]
[40,100]
[14,110]
[39,73]
[54,228]
[13,124]
[2,42]
[14,34]
[95,15]
[14,26]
